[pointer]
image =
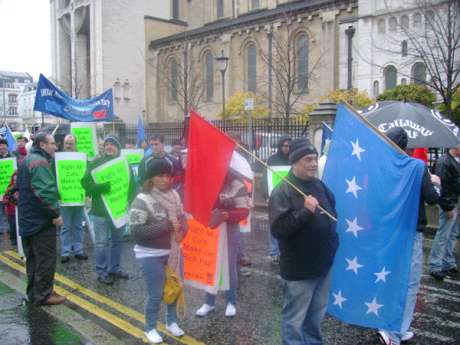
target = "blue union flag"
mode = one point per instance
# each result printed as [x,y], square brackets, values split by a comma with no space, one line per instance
[377,191]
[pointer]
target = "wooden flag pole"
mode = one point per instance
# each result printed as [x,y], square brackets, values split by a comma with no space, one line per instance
[285,180]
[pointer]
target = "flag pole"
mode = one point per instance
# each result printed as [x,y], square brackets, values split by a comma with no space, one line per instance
[283,178]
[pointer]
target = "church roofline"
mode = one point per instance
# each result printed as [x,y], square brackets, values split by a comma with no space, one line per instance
[260,16]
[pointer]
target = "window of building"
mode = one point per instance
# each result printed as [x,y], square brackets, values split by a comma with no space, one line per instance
[173,80]
[220,8]
[419,73]
[403,81]
[175,9]
[209,77]
[390,74]
[251,63]
[381,26]
[376,88]
[417,20]
[302,63]
[392,24]
[405,22]
[12,111]
[255,4]
[12,98]
[429,19]
[404,48]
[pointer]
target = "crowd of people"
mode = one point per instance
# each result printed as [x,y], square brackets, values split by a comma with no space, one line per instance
[301,240]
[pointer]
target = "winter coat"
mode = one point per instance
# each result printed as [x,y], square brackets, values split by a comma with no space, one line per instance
[38,194]
[95,190]
[448,170]
[10,200]
[149,223]
[430,195]
[307,241]
[277,159]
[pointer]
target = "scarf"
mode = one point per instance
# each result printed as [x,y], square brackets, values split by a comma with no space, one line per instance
[170,200]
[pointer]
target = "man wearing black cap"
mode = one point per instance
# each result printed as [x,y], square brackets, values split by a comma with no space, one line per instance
[430,195]
[108,237]
[308,242]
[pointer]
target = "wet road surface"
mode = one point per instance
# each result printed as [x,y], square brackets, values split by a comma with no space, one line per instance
[119,308]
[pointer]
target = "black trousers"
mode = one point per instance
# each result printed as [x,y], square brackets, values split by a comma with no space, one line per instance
[12,229]
[40,252]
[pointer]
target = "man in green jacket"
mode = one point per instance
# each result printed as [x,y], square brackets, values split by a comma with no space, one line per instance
[108,237]
[38,215]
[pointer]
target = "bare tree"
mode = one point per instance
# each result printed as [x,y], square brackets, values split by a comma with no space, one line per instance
[290,81]
[184,85]
[435,41]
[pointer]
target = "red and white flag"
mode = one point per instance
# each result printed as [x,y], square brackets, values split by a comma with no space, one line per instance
[209,155]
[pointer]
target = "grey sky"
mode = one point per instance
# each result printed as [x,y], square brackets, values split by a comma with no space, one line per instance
[25,36]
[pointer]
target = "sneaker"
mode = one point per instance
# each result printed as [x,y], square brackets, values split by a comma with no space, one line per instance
[107,280]
[275,259]
[65,259]
[81,257]
[245,271]
[451,273]
[153,336]
[230,311]
[384,338]
[407,336]
[204,310]
[175,330]
[438,275]
[120,275]
[54,299]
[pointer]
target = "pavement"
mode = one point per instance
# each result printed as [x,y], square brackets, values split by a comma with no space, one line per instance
[97,314]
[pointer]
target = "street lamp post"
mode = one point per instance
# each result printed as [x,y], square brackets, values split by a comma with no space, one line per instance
[222,64]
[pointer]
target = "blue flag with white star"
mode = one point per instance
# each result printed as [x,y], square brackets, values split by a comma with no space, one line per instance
[377,191]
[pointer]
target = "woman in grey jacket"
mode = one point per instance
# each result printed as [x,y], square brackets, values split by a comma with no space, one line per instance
[156,219]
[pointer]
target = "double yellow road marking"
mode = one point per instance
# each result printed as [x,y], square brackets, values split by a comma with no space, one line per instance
[98,311]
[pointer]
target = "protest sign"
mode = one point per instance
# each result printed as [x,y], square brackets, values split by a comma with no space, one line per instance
[116,172]
[7,167]
[70,169]
[85,132]
[200,251]
[275,175]
[134,157]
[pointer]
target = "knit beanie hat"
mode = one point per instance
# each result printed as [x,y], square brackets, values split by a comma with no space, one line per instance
[398,136]
[300,147]
[158,166]
[114,140]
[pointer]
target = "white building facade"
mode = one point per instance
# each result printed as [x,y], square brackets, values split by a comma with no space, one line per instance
[100,44]
[381,53]
[11,87]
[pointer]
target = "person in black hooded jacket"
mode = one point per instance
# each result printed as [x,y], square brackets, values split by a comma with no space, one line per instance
[430,195]
[280,158]
[442,258]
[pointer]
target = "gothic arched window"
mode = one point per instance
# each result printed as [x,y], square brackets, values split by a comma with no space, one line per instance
[251,67]
[302,63]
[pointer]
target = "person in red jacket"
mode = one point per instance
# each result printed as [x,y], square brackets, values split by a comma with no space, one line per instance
[10,200]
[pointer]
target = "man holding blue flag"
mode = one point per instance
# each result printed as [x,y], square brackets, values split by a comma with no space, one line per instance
[308,243]
[380,193]
[430,195]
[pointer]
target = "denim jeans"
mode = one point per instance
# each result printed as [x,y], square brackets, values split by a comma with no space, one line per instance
[304,307]
[233,239]
[415,275]
[108,246]
[154,277]
[72,230]
[442,251]
[273,249]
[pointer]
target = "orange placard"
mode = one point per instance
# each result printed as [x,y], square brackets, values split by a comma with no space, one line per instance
[199,249]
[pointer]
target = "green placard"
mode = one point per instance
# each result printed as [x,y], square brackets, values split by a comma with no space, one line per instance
[116,172]
[134,156]
[86,139]
[7,168]
[275,175]
[70,169]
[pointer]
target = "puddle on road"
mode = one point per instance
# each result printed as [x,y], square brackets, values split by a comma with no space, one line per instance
[26,325]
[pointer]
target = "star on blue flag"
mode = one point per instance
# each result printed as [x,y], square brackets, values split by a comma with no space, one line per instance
[377,191]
